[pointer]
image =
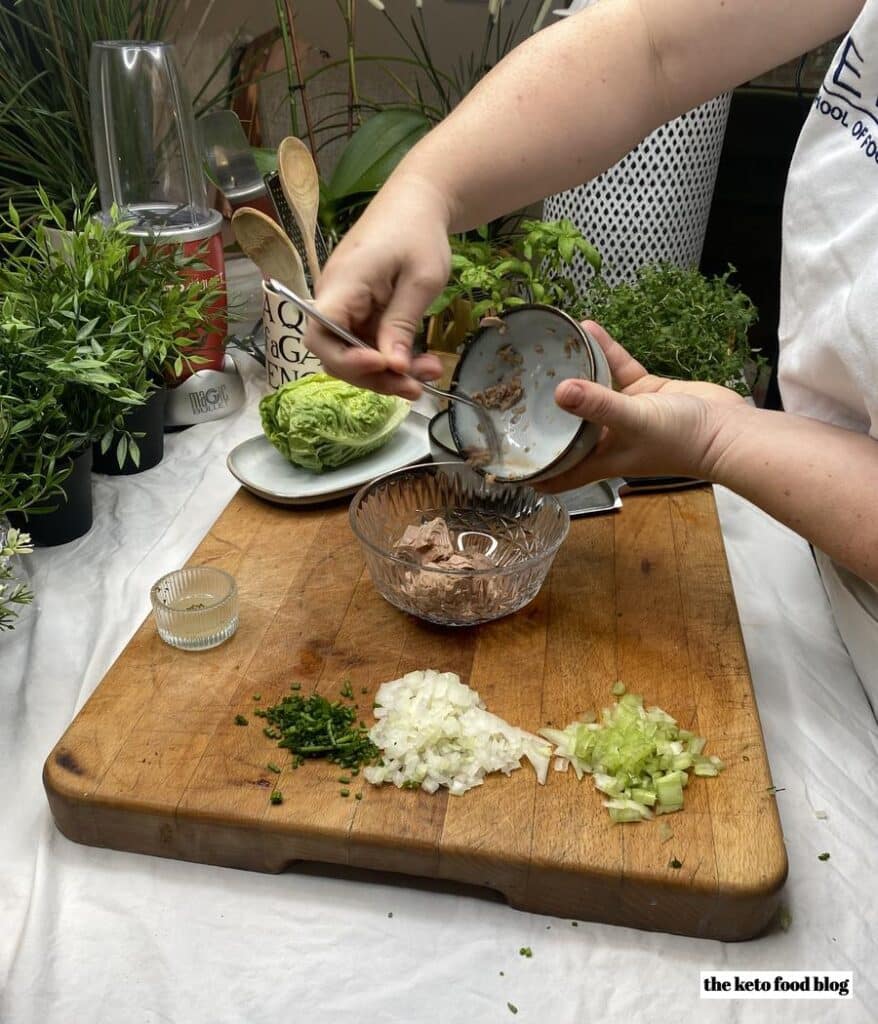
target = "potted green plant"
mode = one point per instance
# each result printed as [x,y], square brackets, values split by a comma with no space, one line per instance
[15,594]
[365,163]
[679,323]
[86,335]
[44,462]
[490,275]
[47,432]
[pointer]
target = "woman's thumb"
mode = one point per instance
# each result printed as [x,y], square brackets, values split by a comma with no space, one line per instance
[598,404]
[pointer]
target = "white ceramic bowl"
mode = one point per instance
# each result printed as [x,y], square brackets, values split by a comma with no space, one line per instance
[542,346]
[442,447]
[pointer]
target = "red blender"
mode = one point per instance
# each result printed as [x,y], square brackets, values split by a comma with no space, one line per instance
[149,168]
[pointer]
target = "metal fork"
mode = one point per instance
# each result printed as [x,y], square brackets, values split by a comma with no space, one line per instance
[486,424]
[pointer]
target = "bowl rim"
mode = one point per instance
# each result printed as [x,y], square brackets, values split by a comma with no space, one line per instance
[495,570]
[439,444]
[227,578]
[544,471]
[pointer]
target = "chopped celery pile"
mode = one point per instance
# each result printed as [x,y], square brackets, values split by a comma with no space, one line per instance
[638,757]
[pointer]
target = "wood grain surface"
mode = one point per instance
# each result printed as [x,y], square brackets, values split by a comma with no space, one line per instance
[155,764]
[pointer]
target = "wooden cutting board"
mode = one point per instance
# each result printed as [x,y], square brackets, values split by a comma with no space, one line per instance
[155,764]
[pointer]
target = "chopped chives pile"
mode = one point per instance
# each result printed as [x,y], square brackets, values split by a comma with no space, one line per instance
[313,727]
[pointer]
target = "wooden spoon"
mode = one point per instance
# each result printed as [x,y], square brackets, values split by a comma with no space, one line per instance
[266,243]
[301,186]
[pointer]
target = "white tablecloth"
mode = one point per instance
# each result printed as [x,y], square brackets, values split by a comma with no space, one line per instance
[91,936]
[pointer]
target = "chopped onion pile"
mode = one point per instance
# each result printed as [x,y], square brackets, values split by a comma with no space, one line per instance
[434,731]
[639,757]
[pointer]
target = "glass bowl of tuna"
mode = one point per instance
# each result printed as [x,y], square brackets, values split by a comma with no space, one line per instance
[443,543]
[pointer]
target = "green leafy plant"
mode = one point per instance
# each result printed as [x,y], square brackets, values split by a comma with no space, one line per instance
[437,91]
[679,323]
[36,440]
[489,276]
[14,594]
[366,162]
[86,332]
[380,133]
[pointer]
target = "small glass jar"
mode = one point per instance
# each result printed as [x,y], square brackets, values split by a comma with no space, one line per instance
[195,608]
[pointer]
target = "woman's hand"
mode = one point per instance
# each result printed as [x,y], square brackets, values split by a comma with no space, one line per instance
[818,479]
[378,283]
[652,425]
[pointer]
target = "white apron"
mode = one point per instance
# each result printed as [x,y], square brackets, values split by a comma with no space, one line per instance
[828,366]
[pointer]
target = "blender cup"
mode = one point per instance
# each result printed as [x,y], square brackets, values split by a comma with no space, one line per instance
[149,164]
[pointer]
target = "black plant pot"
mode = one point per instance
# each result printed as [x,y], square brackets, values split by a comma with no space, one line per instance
[147,419]
[73,516]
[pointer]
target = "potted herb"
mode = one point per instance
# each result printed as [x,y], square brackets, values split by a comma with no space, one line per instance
[15,595]
[679,323]
[86,335]
[45,466]
[490,275]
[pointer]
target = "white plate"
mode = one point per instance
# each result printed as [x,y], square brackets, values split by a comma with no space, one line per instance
[264,471]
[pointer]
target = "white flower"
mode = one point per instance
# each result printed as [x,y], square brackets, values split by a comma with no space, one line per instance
[16,543]
[13,593]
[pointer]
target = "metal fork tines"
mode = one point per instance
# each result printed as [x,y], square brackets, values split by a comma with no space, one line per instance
[486,423]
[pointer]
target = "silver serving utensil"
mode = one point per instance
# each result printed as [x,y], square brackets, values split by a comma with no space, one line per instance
[488,430]
[229,157]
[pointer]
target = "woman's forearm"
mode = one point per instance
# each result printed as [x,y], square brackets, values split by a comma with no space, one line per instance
[577,96]
[819,480]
